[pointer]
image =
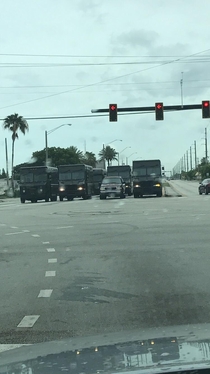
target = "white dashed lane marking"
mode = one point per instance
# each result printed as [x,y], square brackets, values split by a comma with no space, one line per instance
[35,235]
[50,249]
[13,227]
[2,224]
[50,273]
[28,321]
[52,260]
[45,242]
[45,293]
[15,233]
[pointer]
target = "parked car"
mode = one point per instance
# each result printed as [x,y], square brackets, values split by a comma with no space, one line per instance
[112,187]
[204,187]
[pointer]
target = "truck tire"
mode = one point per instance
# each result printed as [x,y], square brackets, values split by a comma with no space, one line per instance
[135,195]
[61,198]
[22,200]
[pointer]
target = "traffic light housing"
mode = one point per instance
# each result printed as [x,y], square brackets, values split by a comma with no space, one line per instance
[112,112]
[159,112]
[205,109]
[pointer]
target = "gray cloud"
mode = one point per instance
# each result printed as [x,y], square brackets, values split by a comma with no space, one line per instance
[134,39]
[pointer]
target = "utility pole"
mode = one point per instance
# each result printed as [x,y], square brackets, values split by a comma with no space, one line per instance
[195,154]
[184,163]
[46,149]
[7,168]
[191,158]
[181,85]
[104,161]
[206,149]
[187,161]
[85,146]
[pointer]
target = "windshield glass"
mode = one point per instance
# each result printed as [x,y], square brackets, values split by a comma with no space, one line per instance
[98,178]
[111,180]
[150,171]
[33,176]
[26,178]
[71,175]
[121,173]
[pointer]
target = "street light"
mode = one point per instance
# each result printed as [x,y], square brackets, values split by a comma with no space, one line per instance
[121,152]
[50,132]
[116,140]
[134,153]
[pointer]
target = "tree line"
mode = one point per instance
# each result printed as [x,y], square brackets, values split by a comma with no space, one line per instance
[202,171]
[16,124]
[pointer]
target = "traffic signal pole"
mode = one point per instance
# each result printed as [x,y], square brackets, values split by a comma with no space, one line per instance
[167,108]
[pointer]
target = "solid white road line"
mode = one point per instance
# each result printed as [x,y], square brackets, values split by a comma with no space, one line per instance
[7,347]
[50,273]
[35,235]
[52,260]
[50,249]
[28,321]
[45,293]
[64,227]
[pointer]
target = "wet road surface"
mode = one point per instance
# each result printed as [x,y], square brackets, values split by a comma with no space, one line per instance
[87,267]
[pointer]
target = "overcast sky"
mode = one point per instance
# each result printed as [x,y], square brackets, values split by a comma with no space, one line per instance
[78,55]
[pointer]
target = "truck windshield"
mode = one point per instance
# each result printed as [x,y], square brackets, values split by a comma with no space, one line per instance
[26,178]
[150,171]
[98,177]
[111,180]
[33,176]
[121,173]
[71,175]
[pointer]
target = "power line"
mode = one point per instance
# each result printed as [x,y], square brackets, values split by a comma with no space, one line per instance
[54,65]
[104,81]
[107,90]
[79,116]
[91,56]
[104,84]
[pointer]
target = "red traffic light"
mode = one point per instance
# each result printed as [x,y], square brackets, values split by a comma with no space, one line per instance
[113,112]
[159,112]
[205,109]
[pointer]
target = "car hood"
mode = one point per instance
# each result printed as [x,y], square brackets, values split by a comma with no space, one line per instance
[154,350]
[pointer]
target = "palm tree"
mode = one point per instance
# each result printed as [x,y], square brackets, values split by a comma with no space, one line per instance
[15,123]
[108,153]
[90,159]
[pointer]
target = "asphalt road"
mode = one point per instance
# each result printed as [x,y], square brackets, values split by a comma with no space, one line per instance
[89,267]
[186,188]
